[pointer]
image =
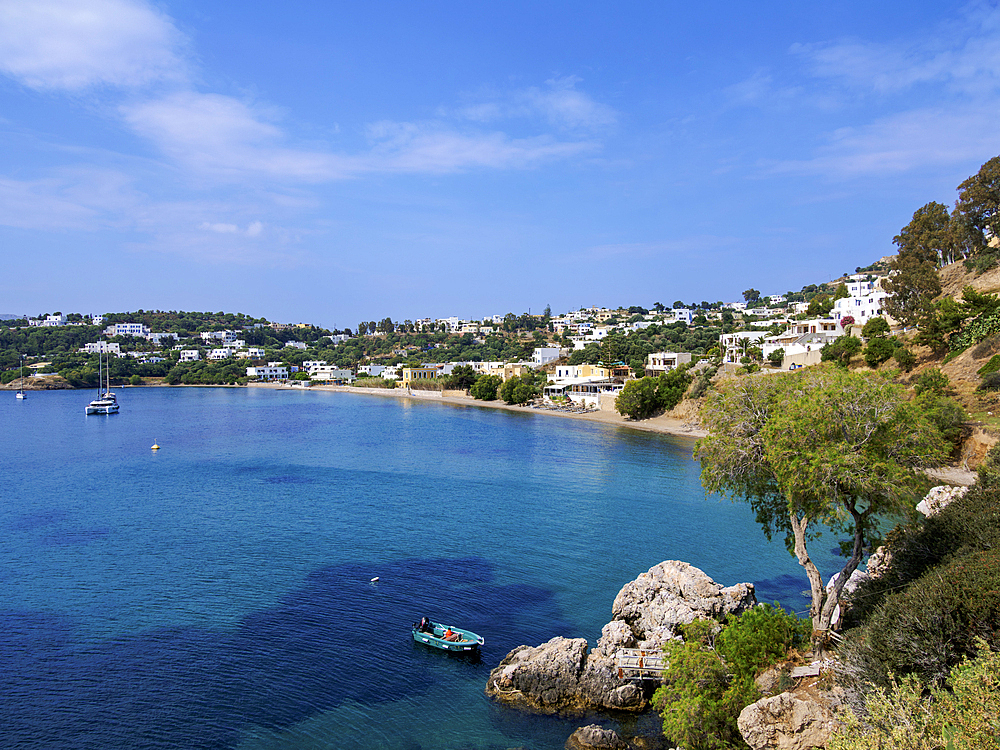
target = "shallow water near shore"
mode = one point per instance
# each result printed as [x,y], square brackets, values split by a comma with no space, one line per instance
[217,593]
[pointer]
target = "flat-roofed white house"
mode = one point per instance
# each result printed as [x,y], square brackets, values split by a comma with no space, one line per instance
[330,374]
[268,373]
[660,362]
[218,354]
[127,329]
[102,347]
[190,355]
[803,341]
[545,354]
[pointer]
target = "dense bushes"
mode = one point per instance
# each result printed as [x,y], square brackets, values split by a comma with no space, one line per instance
[940,590]
[930,626]
[711,677]
[907,717]
[485,388]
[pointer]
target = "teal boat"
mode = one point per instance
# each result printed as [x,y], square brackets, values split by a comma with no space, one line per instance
[446,637]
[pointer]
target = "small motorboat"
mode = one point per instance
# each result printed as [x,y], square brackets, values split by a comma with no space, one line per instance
[446,637]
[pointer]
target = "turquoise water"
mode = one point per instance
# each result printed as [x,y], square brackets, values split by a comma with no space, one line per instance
[217,593]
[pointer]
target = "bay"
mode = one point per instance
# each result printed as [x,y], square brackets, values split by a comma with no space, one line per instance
[217,593]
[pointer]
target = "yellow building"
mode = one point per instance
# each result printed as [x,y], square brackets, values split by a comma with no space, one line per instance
[418,373]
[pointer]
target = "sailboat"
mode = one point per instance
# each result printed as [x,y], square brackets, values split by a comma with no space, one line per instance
[105,403]
[20,388]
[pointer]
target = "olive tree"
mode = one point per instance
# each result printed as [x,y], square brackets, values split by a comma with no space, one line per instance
[822,448]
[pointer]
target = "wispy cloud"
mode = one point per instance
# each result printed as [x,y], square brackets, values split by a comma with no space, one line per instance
[74,44]
[559,103]
[956,65]
[963,56]
[902,142]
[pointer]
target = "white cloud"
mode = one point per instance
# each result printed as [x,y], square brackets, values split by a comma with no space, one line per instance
[904,141]
[224,137]
[410,147]
[42,204]
[73,44]
[962,56]
[560,104]
[253,229]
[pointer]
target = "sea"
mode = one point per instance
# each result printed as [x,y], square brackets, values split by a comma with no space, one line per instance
[252,584]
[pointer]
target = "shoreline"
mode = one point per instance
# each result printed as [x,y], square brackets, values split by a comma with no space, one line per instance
[663,425]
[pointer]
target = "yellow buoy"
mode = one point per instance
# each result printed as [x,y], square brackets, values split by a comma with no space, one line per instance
[155,446]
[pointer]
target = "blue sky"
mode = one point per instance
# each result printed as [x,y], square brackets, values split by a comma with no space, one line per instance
[331,162]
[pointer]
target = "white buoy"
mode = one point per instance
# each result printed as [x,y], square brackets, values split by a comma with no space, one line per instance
[374,579]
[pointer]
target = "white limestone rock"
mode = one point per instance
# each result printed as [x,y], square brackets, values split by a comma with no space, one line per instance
[785,722]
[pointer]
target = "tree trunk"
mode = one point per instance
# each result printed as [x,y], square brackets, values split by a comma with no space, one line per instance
[816,588]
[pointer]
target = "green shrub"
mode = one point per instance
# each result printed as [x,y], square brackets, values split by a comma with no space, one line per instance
[760,637]
[705,689]
[875,328]
[841,350]
[947,415]
[904,358]
[993,365]
[964,714]
[374,383]
[879,350]
[927,628]
[518,390]
[485,389]
[990,382]
[932,380]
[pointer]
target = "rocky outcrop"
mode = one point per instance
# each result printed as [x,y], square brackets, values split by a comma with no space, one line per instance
[676,593]
[594,737]
[938,498]
[786,722]
[561,676]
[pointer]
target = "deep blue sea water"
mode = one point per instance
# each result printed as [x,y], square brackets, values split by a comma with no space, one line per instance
[217,593]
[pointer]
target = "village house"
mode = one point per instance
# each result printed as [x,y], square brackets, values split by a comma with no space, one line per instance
[660,362]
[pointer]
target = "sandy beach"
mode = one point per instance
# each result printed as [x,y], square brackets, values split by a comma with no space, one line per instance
[662,424]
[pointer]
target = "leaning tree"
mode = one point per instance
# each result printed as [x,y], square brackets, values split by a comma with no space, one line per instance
[824,448]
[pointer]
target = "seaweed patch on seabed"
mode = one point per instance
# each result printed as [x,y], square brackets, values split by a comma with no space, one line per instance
[325,643]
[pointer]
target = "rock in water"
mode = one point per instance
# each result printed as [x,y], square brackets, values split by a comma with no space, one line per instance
[561,676]
[595,737]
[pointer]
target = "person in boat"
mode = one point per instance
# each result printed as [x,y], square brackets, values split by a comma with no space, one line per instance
[451,635]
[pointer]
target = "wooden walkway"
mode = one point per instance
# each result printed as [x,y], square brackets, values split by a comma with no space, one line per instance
[640,664]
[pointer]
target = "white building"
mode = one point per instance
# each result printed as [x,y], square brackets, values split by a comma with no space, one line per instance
[138,330]
[190,355]
[295,345]
[311,363]
[803,340]
[225,337]
[268,373]
[660,362]
[330,374]
[223,353]
[545,354]
[49,321]
[255,352]
[371,371]
[102,347]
